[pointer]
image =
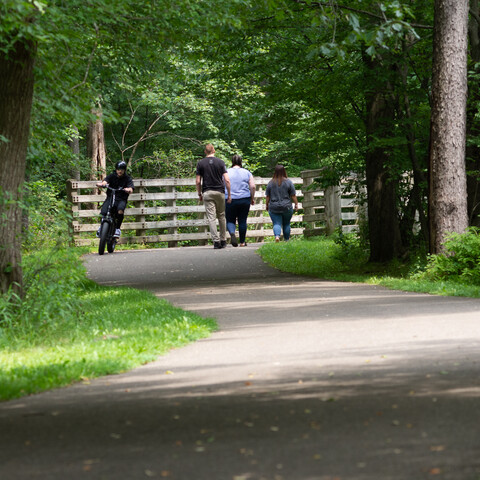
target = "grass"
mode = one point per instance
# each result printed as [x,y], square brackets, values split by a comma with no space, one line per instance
[323,258]
[83,330]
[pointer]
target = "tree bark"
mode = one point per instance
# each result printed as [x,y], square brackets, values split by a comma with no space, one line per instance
[448,184]
[383,221]
[16,96]
[74,144]
[96,147]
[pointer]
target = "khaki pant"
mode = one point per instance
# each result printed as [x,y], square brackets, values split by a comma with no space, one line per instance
[215,209]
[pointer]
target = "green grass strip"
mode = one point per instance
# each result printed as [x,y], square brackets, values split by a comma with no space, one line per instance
[112,330]
[323,258]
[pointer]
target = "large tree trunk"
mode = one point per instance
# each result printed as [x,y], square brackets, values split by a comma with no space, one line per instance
[448,185]
[16,95]
[96,147]
[383,221]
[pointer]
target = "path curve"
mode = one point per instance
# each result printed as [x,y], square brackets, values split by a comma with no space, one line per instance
[305,380]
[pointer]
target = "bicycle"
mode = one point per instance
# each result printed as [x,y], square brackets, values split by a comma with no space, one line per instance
[109,225]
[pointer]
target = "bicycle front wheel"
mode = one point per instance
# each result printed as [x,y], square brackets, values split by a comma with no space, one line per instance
[103,237]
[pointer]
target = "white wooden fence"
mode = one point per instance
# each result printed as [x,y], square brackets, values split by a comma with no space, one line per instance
[168,210]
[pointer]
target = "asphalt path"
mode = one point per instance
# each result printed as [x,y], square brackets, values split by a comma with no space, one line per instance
[305,380]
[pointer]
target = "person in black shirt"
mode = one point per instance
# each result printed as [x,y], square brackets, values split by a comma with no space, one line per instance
[117,179]
[212,179]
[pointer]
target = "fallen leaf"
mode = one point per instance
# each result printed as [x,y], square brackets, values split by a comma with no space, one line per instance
[169,372]
[438,448]
[435,471]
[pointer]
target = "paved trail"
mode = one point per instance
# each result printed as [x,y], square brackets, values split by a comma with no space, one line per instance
[305,380]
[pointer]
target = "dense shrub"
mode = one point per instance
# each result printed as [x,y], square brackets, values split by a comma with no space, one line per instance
[461,260]
[48,217]
[52,279]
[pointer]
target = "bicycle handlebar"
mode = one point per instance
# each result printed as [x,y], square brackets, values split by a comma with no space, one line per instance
[108,187]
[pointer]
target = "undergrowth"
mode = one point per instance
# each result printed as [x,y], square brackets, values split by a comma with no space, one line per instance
[344,258]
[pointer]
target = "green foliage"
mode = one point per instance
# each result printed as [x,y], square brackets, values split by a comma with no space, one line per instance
[323,257]
[461,260]
[51,283]
[49,218]
[353,246]
[68,329]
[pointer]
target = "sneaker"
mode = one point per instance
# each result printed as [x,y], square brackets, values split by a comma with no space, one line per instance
[217,245]
[223,244]
[117,233]
[233,240]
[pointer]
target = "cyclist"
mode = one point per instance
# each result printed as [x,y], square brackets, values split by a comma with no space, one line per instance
[117,179]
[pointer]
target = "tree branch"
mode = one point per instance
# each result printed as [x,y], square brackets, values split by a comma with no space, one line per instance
[356,10]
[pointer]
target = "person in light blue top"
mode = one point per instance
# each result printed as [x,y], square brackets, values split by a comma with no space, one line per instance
[242,189]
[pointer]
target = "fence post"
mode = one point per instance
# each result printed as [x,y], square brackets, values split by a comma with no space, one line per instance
[259,213]
[333,209]
[71,192]
[173,216]
[141,204]
[201,216]
[307,197]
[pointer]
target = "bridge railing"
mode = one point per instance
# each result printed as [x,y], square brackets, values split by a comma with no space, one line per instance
[168,210]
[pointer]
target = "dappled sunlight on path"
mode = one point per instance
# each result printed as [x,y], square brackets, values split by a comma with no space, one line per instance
[305,380]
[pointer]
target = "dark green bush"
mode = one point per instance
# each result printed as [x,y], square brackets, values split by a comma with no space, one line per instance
[461,262]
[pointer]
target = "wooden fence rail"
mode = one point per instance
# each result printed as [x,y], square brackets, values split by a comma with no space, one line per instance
[168,210]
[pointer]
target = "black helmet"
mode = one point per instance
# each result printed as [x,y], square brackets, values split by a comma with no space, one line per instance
[121,165]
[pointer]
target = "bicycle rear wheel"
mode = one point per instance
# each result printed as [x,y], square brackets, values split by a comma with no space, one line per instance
[111,245]
[103,237]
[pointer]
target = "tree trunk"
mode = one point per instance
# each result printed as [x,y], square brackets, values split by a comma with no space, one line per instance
[96,147]
[16,96]
[448,184]
[74,144]
[383,221]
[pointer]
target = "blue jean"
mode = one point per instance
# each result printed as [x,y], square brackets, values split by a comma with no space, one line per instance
[238,210]
[282,221]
